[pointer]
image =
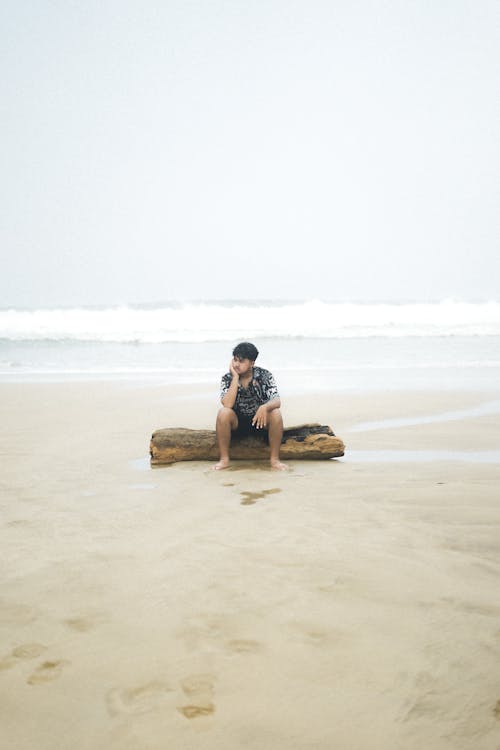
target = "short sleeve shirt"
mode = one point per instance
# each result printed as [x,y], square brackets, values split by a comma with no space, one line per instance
[260,390]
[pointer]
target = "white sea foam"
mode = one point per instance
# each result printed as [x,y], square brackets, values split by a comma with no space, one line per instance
[205,322]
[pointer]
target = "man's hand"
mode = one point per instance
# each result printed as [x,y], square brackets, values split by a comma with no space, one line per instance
[232,370]
[260,417]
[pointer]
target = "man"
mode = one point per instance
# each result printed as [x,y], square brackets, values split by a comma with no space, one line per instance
[250,403]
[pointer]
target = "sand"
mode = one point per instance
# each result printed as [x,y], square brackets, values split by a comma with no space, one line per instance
[348,604]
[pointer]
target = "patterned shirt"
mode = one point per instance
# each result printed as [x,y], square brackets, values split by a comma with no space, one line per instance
[260,390]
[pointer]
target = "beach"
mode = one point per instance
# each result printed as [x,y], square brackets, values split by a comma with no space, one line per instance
[318,181]
[350,603]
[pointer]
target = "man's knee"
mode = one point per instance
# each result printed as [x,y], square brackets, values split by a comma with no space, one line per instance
[226,415]
[275,417]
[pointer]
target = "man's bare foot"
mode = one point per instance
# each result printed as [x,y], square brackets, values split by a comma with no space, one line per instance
[222,464]
[278,466]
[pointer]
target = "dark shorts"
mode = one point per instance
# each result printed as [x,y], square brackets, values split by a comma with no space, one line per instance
[245,427]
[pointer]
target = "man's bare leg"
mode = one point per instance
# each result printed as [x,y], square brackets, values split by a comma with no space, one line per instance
[226,422]
[275,427]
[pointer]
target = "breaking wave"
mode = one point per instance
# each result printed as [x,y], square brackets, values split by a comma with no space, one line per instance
[225,321]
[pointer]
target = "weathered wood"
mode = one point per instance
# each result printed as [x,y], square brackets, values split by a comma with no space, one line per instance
[305,441]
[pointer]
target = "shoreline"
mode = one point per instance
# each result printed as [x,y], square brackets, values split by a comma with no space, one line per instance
[292,383]
[173,605]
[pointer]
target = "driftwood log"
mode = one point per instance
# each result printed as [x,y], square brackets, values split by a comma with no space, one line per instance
[305,441]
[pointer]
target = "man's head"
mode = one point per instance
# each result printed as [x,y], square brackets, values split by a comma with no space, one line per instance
[244,355]
[246,350]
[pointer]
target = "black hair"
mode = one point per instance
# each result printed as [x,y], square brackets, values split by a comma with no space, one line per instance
[245,350]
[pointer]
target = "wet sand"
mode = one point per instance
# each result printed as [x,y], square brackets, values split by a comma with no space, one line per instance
[347,604]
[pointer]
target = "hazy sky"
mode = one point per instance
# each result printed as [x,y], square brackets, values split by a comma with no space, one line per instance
[155,150]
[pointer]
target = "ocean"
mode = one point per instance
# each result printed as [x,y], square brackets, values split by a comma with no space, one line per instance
[308,345]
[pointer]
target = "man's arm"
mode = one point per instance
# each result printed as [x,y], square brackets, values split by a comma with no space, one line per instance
[273,400]
[229,398]
[260,416]
[275,403]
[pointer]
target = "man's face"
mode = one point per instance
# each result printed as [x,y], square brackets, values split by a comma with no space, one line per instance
[242,366]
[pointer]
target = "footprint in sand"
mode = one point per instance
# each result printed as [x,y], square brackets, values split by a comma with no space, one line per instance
[202,628]
[241,646]
[84,623]
[28,650]
[199,690]
[138,700]
[311,635]
[47,672]
[249,498]
[23,652]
